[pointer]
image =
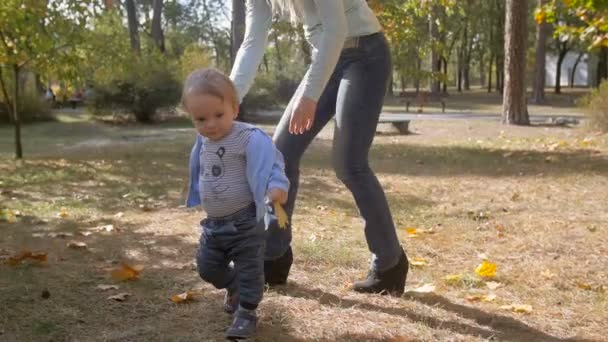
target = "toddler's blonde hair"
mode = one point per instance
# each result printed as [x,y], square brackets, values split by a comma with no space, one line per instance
[212,82]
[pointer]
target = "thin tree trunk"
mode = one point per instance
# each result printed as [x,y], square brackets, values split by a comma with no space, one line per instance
[602,66]
[490,73]
[417,79]
[482,70]
[16,116]
[563,50]
[445,75]
[514,100]
[538,91]
[133,26]
[435,86]
[238,27]
[277,48]
[573,73]
[157,29]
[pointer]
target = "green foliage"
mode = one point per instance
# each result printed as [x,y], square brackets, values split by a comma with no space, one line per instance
[586,20]
[270,90]
[148,84]
[596,105]
[194,57]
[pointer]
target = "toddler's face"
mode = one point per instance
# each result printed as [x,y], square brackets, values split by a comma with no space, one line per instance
[212,116]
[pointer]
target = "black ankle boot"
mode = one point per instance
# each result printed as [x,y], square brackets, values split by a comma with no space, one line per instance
[391,281]
[276,271]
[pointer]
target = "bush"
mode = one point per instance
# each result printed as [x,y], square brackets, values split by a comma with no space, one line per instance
[269,91]
[596,106]
[148,85]
[32,107]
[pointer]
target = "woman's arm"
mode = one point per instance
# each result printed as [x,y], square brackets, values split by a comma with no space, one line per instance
[326,54]
[257,23]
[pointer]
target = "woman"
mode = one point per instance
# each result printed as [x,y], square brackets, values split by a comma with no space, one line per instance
[348,77]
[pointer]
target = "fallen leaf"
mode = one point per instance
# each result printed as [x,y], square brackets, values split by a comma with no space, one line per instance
[453,278]
[547,274]
[7,215]
[108,228]
[77,245]
[85,233]
[27,255]
[418,262]
[486,269]
[312,237]
[63,213]
[183,297]
[411,232]
[519,308]
[107,287]
[493,285]
[121,297]
[61,235]
[126,272]
[584,286]
[426,288]
[281,215]
[481,298]
[119,215]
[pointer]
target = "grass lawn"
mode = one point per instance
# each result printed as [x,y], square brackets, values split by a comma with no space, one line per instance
[532,200]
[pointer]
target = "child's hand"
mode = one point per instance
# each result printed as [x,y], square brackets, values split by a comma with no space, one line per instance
[277,195]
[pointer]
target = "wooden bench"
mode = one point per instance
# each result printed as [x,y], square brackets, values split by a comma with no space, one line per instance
[421,98]
[401,124]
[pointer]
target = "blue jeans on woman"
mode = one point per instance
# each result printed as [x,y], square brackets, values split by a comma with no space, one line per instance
[354,94]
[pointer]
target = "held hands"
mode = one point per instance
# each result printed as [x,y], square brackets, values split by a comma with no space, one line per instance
[277,195]
[303,116]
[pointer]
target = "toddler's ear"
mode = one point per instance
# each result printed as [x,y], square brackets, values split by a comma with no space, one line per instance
[236,108]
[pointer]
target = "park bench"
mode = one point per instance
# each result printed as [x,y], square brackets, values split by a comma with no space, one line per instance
[421,98]
[401,124]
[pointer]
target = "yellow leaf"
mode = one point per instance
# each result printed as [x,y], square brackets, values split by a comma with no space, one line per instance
[411,232]
[8,215]
[583,286]
[453,278]
[519,308]
[486,269]
[547,274]
[63,213]
[126,272]
[281,215]
[418,262]
[183,297]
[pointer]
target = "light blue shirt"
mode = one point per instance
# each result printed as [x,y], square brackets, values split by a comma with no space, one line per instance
[265,170]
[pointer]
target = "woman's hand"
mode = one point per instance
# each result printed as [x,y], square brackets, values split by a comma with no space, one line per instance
[303,116]
[277,195]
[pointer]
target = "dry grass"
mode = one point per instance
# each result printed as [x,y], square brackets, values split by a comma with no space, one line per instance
[542,191]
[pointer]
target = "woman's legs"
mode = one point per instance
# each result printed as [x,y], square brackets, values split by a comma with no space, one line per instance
[278,257]
[359,103]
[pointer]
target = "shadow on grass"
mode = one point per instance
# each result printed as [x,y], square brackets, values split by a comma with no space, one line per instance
[438,161]
[497,326]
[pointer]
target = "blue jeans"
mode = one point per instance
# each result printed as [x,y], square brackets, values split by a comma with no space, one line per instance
[238,238]
[354,94]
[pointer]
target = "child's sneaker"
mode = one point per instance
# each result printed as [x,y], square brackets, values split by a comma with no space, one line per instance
[243,325]
[231,300]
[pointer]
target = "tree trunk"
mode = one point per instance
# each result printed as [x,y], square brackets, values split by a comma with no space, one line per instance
[133,25]
[514,100]
[277,48]
[602,66]
[490,73]
[499,73]
[417,79]
[563,50]
[435,86]
[16,116]
[445,75]
[482,69]
[542,30]
[238,27]
[157,29]
[573,73]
